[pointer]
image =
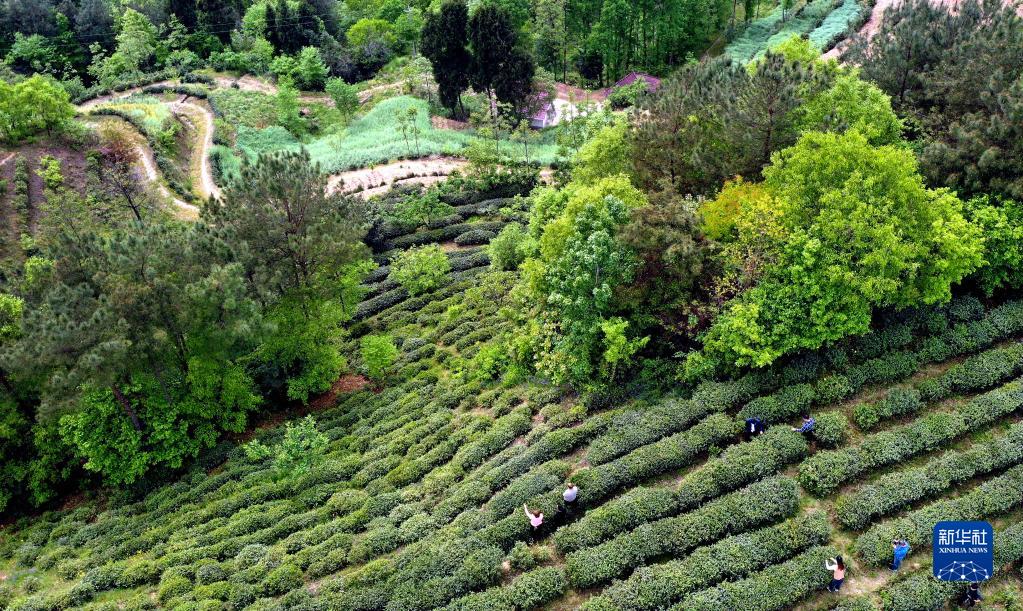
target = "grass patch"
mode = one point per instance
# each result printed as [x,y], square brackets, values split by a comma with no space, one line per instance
[372,139]
[245,108]
[770,31]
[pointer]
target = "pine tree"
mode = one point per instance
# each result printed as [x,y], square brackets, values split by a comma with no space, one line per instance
[444,40]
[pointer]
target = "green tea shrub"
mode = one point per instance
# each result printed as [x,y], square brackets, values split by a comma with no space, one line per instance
[822,473]
[831,429]
[995,496]
[755,505]
[659,585]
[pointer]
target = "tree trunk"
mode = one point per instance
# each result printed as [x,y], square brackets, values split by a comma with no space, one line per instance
[126,406]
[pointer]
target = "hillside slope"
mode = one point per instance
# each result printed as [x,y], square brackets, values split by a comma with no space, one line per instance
[417,501]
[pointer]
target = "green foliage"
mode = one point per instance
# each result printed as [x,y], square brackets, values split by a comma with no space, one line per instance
[420,270]
[758,504]
[776,587]
[853,104]
[301,249]
[821,283]
[895,490]
[825,471]
[378,354]
[32,105]
[605,154]
[345,96]
[1002,227]
[510,248]
[656,586]
[49,171]
[626,96]
[300,448]
[420,210]
[992,497]
[831,429]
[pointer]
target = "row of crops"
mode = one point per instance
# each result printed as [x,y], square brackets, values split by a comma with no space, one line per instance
[823,22]
[417,503]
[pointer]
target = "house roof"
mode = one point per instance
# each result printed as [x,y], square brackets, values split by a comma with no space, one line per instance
[652,82]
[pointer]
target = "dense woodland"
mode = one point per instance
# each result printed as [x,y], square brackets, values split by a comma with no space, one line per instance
[298,306]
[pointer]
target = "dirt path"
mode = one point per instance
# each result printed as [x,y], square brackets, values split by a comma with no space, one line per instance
[185,210]
[201,159]
[869,28]
[374,180]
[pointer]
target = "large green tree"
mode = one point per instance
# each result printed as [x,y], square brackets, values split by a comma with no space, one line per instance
[301,248]
[137,337]
[959,77]
[445,43]
[845,227]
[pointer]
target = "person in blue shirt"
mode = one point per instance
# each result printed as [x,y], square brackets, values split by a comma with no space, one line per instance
[900,547]
[808,425]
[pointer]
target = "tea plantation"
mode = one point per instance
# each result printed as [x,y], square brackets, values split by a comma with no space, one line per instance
[416,501]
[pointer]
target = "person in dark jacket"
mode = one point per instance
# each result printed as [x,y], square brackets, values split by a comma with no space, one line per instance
[754,426]
[972,596]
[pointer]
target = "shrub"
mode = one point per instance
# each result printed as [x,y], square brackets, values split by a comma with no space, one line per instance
[632,429]
[209,572]
[301,446]
[280,580]
[474,237]
[994,496]
[921,591]
[420,270]
[896,490]
[778,587]
[378,354]
[737,466]
[171,587]
[756,504]
[509,248]
[668,454]
[830,429]
[659,585]
[822,473]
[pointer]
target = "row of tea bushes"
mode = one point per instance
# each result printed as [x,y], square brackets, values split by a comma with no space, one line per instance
[824,472]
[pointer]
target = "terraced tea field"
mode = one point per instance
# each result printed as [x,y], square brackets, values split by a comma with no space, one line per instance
[417,503]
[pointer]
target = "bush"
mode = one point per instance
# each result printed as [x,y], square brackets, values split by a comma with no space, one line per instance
[378,354]
[895,490]
[737,466]
[668,454]
[282,579]
[822,473]
[659,585]
[509,248]
[831,429]
[420,270]
[209,572]
[171,587]
[474,237]
[778,587]
[754,505]
[994,496]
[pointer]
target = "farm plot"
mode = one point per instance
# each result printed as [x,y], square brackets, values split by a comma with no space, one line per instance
[417,500]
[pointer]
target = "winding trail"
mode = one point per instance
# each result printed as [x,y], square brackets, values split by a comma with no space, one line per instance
[869,28]
[365,182]
[207,186]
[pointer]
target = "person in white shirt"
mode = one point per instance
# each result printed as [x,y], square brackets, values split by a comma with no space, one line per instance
[570,494]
